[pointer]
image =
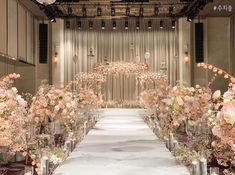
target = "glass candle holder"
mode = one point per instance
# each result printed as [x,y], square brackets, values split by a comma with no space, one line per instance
[214,171]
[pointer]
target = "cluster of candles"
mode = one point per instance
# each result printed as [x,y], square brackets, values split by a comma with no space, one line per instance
[199,167]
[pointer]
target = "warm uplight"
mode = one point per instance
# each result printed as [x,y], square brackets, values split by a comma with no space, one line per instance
[186,57]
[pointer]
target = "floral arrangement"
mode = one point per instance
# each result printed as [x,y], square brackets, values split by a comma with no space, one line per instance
[116,68]
[13,110]
[222,122]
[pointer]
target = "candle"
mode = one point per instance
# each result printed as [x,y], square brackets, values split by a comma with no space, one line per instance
[45,165]
[203,166]
[175,144]
[195,170]
[171,139]
[68,147]
[214,171]
[167,143]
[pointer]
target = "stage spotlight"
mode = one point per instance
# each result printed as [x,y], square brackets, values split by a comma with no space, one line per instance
[141,12]
[84,11]
[173,24]
[156,11]
[70,11]
[161,24]
[102,25]
[90,25]
[67,24]
[112,11]
[171,10]
[79,24]
[114,25]
[128,11]
[149,24]
[137,25]
[189,19]
[126,25]
[99,11]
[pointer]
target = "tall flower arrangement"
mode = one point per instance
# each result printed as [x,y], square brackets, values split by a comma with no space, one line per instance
[223,128]
[13,109]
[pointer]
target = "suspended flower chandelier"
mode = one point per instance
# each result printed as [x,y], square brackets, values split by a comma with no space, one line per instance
[46,2]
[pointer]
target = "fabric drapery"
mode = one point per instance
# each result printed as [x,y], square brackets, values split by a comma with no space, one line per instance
[95,45]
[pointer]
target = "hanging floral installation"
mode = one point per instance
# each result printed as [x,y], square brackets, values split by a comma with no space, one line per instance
[218,71]
[90,79]
[116,68]
[152,78]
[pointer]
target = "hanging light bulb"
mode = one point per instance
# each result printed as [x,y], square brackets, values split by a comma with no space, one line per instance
[90,25]
[137,25]
[46,2]
[79,24]
[173,24]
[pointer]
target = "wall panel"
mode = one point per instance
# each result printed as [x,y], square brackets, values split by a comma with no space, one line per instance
[12,27]
[3,26]
[22,27]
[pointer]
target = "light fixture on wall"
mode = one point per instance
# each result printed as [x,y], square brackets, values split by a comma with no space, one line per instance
[56,60]
[46,2]
[186,57]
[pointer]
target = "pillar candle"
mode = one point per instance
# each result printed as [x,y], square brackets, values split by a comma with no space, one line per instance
[203,166]
[171,139]
[45,165]
[195,168]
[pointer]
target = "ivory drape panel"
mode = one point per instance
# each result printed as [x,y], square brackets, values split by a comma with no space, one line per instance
[120,45]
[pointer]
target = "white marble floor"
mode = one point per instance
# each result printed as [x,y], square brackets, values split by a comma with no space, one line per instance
[121,144]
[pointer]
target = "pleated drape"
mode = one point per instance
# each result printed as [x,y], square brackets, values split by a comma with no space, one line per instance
[120,45]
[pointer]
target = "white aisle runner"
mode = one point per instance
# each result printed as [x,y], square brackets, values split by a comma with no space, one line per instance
[121,144]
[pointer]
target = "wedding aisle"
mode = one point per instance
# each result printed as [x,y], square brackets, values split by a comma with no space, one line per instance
[121,144]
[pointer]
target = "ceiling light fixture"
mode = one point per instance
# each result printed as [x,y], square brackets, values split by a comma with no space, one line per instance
[173,24]
[79,24]
[90,25]
[161,24]
[46,2]
[128,11]
[99,11]
[156,11]
[70,11]
[114,25]
[126,25]
[141,12]
[102,25]
[137,25]
[149,24]
[84,11]
[112,11]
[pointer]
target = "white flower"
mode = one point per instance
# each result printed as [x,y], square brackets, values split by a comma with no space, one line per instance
[216,94]
[180,101]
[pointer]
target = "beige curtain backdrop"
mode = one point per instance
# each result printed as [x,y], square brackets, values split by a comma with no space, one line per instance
[120,45]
